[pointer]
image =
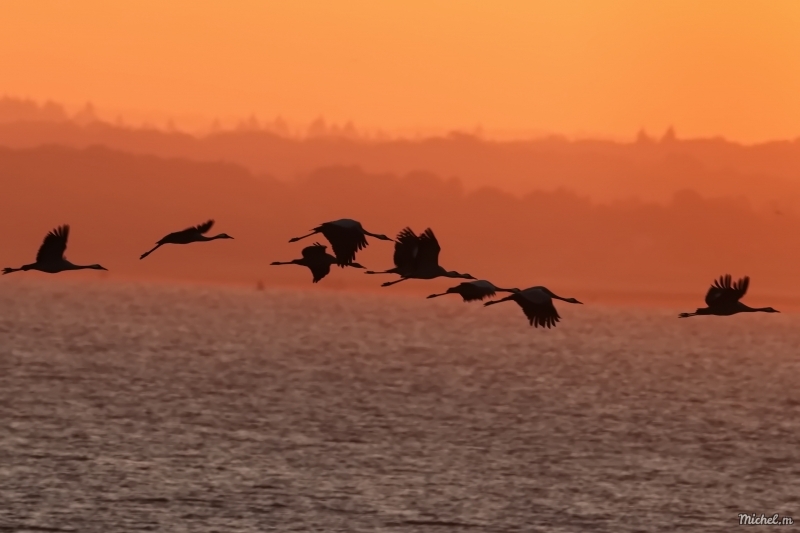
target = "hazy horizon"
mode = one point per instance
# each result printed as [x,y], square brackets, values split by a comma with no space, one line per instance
[648,168]
[21,108]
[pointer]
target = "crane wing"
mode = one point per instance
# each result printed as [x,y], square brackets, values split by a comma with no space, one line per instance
[539,314]
[348,223]
[345,240]
[319,270]
[428,248]
[741,286]
[315,251]
[471,291]
[406,249]
[200,228]
[54,245]
[724,292]
[538,306]
[186,235]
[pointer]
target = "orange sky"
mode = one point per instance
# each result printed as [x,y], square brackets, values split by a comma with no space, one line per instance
[578,68]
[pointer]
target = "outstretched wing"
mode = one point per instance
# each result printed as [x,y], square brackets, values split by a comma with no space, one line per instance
[317,260]
[319,270]
[200,228]
[315,251]
[428,248]
[406,250]
[538,307]
[475,290]
[723,292]
[541,315]
[187,235]
[54,245]
[741,287]
[346,240]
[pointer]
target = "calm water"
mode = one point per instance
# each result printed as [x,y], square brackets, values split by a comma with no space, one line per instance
[135,407]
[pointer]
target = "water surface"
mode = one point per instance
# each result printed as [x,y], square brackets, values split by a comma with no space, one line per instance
[143,407]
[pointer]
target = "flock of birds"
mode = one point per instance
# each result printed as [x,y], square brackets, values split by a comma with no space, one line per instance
[415,257]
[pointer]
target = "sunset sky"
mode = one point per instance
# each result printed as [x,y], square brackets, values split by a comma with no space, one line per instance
[585,68]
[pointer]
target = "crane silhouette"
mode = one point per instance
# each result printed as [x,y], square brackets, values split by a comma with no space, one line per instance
[189,235]
[417,257]
[317,260]
[723,298]
[537,304]
[50,257]
[347,236]
[474,290]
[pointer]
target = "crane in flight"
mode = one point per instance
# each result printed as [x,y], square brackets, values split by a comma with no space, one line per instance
[417,257]
[347,236]
[723,298]
[189,235]
[537,304]
[317,260]
[471,291]
[50,257]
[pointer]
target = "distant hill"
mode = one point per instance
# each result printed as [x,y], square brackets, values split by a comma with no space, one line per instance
[767,174]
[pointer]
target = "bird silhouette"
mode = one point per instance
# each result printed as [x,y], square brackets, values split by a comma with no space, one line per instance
[723,298]
[50,257]
[473,290]
[537,304]
[347,236]
[317,260]
[417,257]
[194,234]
